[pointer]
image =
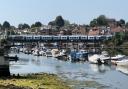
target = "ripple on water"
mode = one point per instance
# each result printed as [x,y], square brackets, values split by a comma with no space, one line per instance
[78,75]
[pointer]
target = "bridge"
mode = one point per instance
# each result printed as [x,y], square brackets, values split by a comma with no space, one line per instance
[53,38]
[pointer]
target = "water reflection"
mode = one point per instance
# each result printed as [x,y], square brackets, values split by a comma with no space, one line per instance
[107,75]
[101,68]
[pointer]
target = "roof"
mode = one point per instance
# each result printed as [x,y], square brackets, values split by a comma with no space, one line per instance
[94,31]
[117,29]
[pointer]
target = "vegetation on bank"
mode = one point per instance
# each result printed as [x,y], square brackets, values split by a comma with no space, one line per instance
[33,81]
[118,44]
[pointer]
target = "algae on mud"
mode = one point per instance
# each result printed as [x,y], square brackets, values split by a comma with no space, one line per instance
[88,84]
[33,81]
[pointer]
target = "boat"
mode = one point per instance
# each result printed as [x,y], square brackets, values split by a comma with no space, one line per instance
[117,57]
[42,53]
[48,53]
[102,58]
[82,55]
[55,53]
[78,55]
[95,59]
[123,62]
[36,52]
[11,58]
[27,51]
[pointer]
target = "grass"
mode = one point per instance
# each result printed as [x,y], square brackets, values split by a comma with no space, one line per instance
[33,81]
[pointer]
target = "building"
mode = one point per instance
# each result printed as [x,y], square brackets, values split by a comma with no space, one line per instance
[117,30]
[79,31]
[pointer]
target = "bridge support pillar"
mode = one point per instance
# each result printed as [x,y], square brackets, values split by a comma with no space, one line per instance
[4,67]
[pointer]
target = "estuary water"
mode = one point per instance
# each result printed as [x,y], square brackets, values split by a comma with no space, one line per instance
[78,75]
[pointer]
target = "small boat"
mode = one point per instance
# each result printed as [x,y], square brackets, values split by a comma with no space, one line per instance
[95,59]
[61,55]
[48,53]
[55,53]
[78,55]
[117,57]
[42,53]
[102,58]
[27,51]
[36,52]
[11,58]
[123,62]
[82,55]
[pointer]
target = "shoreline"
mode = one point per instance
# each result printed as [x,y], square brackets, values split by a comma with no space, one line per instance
[33,81]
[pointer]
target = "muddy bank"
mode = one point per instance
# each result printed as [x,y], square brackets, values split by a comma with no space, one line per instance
[33,81]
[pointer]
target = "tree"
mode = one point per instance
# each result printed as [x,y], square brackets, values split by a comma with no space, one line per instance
[126,25]
[33,25]
[20,26]
[119,37]
[26,26]
[66,22]
[122,22]
[102,21]
[38,24]
[59,21]
[6,25]
[23,26]
[52,23]
[93,23]
[1,27]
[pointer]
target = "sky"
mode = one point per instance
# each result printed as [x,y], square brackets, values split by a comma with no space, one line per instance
[76,11]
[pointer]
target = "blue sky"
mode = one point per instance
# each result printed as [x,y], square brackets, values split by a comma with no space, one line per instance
[76,11]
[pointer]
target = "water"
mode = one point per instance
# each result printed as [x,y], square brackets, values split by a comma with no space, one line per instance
[76,74]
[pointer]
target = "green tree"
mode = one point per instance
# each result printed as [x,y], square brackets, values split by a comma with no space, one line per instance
[119,38]
[38,24]
[59,21]
[20,26]
[6,25]
[93,23]
[33,25]
[26,26]
[23,26]
[122,22]
[126,25]
[52,23]
[66,22]
[0,26]
[102,21]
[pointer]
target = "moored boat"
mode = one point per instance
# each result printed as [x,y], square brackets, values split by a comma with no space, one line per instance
[81,55]
[102,58]
[117,57]
[48,53]
[11,58]
[36,52]
[123,62]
